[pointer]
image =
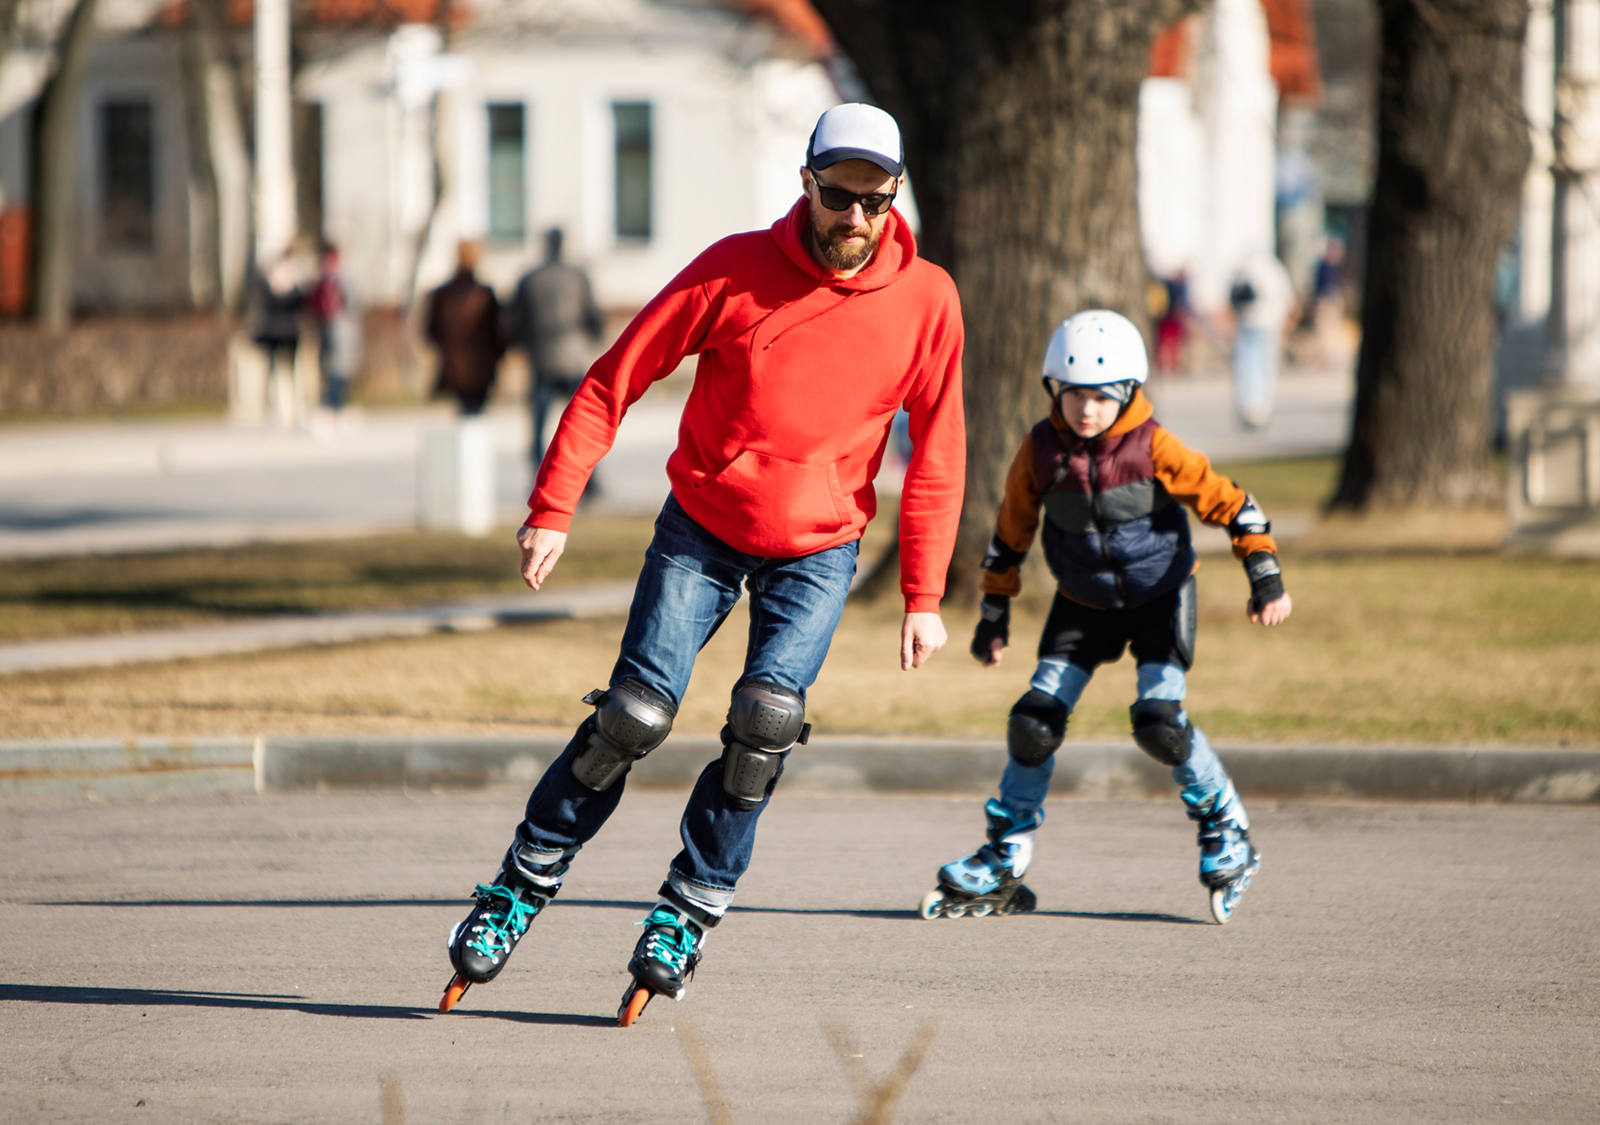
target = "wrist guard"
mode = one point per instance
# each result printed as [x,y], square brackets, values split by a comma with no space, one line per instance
[1266,577]
[994,623]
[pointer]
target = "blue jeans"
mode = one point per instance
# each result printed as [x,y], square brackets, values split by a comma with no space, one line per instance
[690,582]
[1255,373]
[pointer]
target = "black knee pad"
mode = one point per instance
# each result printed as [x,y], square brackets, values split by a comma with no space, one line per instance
[764,722]
[629,721]
[1160,733]
[1037,725]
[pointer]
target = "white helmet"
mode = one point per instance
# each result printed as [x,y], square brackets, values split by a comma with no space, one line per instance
[1097,348]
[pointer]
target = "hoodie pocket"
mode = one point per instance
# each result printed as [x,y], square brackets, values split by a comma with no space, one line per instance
[778,496]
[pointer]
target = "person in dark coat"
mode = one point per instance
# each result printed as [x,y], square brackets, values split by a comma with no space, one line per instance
[552,316]
[464,324]
[279,300]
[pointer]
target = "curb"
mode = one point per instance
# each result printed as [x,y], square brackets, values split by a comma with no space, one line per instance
[163,768]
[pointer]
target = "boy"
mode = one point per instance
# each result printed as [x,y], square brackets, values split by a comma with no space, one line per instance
[1109,483]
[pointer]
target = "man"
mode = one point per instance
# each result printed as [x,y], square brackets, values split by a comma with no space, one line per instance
[553,317]
[464,324]
[810,336]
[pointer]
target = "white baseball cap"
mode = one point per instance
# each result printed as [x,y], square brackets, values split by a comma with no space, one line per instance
[856,131]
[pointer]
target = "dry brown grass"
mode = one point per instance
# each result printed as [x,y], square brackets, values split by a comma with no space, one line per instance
[1403,647]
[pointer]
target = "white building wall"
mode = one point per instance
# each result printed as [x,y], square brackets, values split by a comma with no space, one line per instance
[727,142]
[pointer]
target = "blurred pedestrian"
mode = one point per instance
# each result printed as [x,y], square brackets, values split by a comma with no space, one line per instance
[1172,327]
[1262,299]
[1327,304]
[552,316]
[463,323]
[279,300]
[338,334]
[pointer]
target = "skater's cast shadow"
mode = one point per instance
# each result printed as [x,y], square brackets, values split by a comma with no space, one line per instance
[1124,916]
[915,916]
[327,903]
[268,1002]
[601,903]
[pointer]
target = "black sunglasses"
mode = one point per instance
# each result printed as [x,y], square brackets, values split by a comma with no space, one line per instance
[837,199]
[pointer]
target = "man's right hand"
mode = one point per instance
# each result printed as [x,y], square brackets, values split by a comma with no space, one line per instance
[994,629]
[541,547]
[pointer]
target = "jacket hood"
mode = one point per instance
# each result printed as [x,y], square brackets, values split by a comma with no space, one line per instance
[897,249]
[1138,412]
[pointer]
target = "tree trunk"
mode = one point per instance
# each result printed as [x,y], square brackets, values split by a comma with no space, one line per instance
[1452,149]
[55,189]
[221,158]
[1019,122]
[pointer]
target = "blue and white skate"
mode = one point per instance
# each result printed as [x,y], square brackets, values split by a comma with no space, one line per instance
[990,880]
[1227,857]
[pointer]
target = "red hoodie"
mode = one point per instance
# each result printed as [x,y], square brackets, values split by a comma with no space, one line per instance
[799,377]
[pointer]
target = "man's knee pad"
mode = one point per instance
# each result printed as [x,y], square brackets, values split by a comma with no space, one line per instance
[630,720]
[1160,733]
[764,722]
[1037,725]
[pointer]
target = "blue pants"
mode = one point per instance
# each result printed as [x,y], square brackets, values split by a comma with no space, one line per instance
[1077,640]
[690,582]
[1255,373]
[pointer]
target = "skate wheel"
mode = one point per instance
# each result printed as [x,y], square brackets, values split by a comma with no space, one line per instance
[958,910]
[632,1005]
[931,904]
[983,909]
[453,992]
[1222,904]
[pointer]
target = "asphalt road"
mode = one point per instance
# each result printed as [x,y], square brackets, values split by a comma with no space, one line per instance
[243,959]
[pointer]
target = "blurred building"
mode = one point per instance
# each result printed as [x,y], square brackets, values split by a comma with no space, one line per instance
[1226,123]
[646,128]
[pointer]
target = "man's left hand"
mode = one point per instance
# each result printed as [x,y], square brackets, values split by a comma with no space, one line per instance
[921,635]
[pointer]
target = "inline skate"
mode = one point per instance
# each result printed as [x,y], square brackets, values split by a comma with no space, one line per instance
[990,880]
[665,956]
[1227,857]
[483,940]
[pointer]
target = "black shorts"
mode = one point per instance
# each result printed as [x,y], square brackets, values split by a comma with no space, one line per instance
[1159,632]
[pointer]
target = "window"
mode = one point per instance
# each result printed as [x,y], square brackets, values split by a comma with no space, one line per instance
[630,123]
[507,174]
[127,171]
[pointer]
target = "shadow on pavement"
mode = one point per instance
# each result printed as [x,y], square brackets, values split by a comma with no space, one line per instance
[601,903]
[152,997]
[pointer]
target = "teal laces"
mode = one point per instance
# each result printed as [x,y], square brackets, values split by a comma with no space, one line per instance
[500,929]
[668,940]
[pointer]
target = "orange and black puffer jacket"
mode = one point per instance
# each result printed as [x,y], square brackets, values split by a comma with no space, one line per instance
[1115,531]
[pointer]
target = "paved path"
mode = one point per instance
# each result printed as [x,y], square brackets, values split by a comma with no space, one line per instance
[98,487]
[245,959]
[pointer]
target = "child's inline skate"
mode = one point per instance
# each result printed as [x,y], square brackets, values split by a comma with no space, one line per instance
[483,940]
[665,957]
[990,880]
[1227,857]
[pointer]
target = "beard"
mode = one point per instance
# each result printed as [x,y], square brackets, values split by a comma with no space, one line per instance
[830,244]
